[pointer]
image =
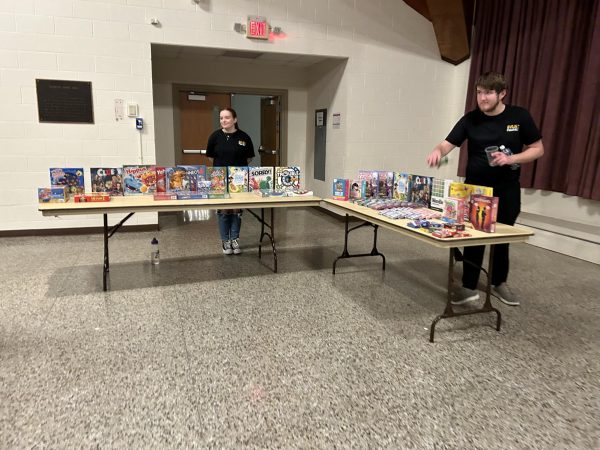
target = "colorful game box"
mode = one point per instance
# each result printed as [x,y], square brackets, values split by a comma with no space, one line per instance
[175,179]
[483,212]
[440,190]
[107,179]
[401,186]
[55,194]
[454,210]
[139,180]
[371,177]
[385,182]
[161,180]
[218,179]
[341,188]
[420,190]
[357,189]
[204,188]
[261,178]
[237,179]
[191,176]
[70,177]
[287,178]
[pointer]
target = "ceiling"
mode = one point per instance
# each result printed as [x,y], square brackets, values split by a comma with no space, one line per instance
[162,51]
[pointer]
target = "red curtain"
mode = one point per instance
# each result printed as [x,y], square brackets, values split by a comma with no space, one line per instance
[549,51]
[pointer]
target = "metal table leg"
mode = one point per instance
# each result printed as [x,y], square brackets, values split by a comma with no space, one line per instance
[346,254]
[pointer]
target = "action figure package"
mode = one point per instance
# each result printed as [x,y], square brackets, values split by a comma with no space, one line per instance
[70,177]
[385,181]
[483,211]
[371,177]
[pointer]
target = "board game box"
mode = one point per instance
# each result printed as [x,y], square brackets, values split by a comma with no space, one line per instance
[71,177]
[371,177]
[287,178]
[385,182]
[420,190]
[260,178]
[440,190]
[237,179]
[357,189]
[161,180]
[483,212]
[341,189]
[139,180]
[401,186]
[55,194]
[454,210]
[218,179]
[107,179]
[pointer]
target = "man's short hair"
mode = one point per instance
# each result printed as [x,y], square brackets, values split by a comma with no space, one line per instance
[492,81]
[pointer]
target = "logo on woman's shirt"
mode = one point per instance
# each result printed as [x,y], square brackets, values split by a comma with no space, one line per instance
[510,128]
[242,143]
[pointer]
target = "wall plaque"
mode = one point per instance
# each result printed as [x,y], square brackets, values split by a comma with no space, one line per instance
[65,101]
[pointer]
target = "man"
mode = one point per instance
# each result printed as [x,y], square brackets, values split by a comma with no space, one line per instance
[512,130]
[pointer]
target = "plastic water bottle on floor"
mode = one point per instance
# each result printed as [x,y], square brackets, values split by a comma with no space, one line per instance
[154,253]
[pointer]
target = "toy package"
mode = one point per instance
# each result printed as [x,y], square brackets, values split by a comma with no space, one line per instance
[287,178]
[401,186]
[139,180]
[454,210]
[191,176]
[107,179]
[237,178]
[95,197]
[217,177]
[70,177]
[371,177]
[161,179]
[357,189]
[55,194]
[260,178]
[439,191]
[341,188]
[385,187]
[483,212]
[420,190]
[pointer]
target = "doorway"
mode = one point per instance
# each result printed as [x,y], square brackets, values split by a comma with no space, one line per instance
[259,114]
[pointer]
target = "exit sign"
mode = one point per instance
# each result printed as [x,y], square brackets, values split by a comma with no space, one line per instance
[258,28]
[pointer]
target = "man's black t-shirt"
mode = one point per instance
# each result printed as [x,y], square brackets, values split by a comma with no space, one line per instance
[514,127]
[230,149]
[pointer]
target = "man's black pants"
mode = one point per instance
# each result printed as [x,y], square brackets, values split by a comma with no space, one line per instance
[509,207]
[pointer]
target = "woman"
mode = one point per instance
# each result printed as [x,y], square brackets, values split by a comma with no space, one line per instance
[229,146]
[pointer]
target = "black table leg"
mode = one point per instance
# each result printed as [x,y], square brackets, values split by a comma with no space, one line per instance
[487,306]
[271,226]
[107,235]
[346,254]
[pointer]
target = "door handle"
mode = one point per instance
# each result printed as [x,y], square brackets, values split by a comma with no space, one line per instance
[194,151]
[261,149]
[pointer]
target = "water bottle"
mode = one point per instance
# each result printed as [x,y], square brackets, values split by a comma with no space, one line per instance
[154,253]
[508,152]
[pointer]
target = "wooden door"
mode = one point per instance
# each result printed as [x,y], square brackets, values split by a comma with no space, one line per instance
[199,117]
[269,131]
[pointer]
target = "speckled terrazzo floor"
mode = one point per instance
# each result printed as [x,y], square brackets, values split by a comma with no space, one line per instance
[210,351]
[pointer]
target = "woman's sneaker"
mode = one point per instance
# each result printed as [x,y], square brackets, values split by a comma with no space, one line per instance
[505,295]
[235,245]
[227,250]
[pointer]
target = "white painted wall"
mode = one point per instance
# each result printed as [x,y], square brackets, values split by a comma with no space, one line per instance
[396,97]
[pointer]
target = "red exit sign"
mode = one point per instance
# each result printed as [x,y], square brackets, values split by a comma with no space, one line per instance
[257,28]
